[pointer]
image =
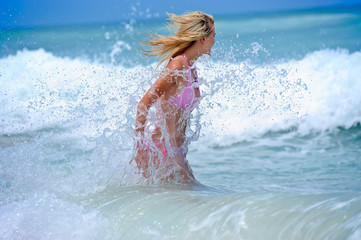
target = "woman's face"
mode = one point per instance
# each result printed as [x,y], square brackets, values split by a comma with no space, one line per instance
[208,42]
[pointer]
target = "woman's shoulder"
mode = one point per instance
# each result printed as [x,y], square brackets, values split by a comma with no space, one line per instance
[174,70]
[176,63]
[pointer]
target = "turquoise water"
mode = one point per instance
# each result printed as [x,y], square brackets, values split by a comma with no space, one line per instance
[278,154]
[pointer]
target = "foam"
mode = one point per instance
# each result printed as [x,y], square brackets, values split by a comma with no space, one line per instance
[242,99]
[45,216]
[318,93]
[43,91]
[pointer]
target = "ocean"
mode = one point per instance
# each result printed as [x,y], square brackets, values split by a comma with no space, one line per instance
[276,144]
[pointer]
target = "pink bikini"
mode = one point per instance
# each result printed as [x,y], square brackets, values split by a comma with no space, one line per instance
[187,99]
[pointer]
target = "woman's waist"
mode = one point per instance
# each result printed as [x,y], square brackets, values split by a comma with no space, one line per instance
[175,140]
[178,107]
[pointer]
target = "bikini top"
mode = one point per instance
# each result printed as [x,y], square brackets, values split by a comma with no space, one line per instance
[187,98]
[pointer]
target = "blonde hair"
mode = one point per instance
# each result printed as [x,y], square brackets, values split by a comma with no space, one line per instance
[187,29]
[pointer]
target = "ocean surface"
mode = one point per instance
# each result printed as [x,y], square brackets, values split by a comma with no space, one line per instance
[278,154]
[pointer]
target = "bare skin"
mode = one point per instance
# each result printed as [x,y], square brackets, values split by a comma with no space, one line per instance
[169,84]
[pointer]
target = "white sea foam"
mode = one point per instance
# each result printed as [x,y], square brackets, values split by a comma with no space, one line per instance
[318,93]
[243,99]
[44,216]
[39,91]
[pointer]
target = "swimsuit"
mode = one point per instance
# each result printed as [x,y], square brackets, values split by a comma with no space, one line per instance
[187,99]
[161,147]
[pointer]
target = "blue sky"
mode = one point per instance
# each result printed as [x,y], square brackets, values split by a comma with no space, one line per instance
[15,13]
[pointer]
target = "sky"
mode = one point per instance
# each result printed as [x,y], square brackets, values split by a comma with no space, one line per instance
[20,13]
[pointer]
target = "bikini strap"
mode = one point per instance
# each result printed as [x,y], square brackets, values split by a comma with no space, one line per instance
[185,59]
[189,71]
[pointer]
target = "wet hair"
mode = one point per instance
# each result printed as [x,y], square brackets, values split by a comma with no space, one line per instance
[187,29]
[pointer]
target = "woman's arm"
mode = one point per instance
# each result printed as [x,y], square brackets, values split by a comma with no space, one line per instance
[167,78]
[156,91]
[163,83]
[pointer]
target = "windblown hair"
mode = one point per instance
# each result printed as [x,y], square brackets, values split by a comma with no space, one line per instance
[187,30]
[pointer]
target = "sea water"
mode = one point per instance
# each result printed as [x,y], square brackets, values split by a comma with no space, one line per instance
[278,154]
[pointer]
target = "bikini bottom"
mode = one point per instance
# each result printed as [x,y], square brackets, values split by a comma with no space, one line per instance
[161,146]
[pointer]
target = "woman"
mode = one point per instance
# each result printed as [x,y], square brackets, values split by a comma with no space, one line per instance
[162,146]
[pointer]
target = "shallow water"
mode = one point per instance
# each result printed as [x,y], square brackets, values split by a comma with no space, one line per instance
[278,156]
